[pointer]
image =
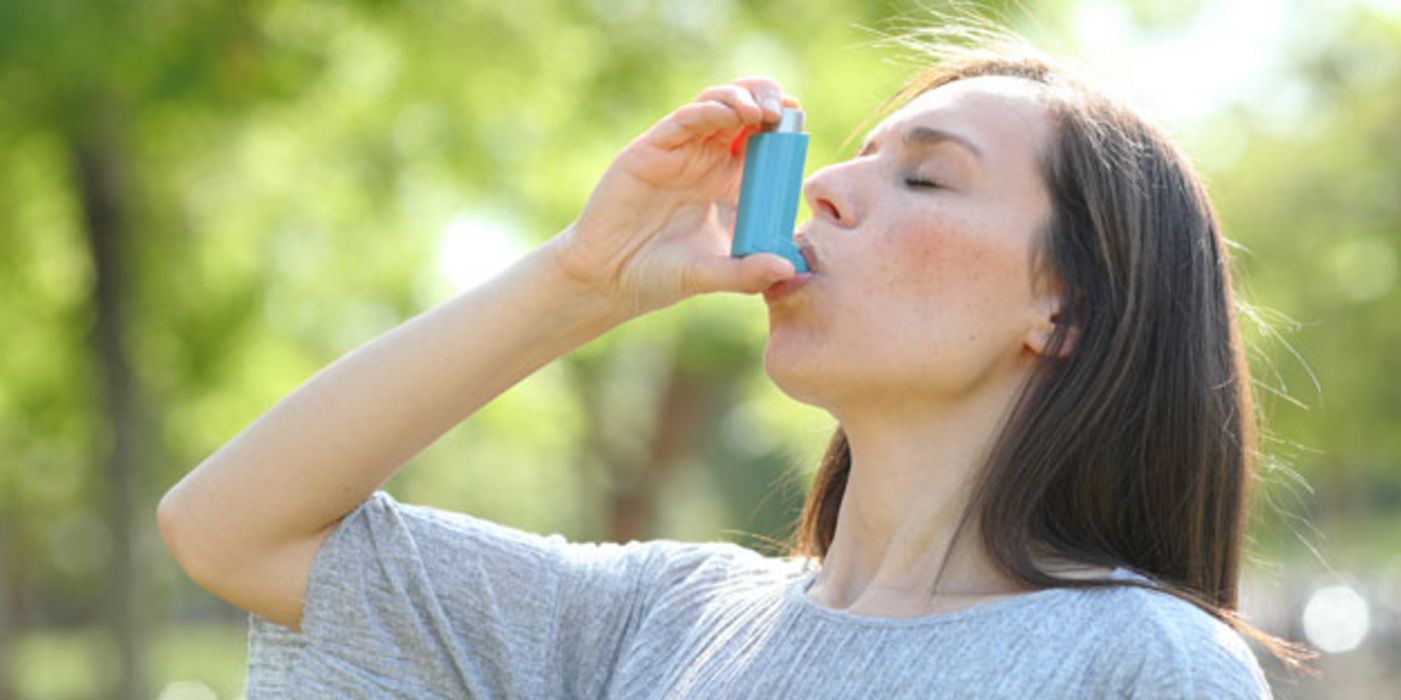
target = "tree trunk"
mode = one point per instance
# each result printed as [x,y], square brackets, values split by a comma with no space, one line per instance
[5,621]
[679,421]
[98,160]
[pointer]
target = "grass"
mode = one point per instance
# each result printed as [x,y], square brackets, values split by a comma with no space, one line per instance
[81,663]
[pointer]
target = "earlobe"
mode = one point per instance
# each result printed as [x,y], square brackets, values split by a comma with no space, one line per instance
[1039,339]
[1050,317]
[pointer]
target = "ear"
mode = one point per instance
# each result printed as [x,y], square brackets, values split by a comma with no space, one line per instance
[1048,319]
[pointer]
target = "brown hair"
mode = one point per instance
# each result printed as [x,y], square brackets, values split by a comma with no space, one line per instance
[1136,449]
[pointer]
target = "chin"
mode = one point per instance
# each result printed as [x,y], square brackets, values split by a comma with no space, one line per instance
[792,366]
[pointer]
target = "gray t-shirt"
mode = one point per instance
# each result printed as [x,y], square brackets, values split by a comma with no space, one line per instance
[408,601]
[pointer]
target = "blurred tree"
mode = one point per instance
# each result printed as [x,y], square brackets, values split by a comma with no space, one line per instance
[1312,197]
[202,203]
[85,80]
[98,160]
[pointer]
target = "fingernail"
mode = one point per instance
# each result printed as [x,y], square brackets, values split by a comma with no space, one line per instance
[772,105]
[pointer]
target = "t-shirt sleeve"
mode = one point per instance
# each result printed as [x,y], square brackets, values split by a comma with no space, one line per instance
[412,601]
[1227,668]
[1211,671]
[1178,652]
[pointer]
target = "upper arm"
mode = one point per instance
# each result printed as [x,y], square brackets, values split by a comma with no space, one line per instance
[416,601]
[269,581]
[273,584]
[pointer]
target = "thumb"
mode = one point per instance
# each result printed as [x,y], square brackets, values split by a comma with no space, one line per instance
[750,274]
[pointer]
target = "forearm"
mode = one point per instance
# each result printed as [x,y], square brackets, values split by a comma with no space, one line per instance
[325,447]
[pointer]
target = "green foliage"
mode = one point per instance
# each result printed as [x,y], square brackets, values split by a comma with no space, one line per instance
[1312,198]
[296,174]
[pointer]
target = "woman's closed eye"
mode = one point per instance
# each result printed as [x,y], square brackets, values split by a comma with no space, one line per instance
[922,182]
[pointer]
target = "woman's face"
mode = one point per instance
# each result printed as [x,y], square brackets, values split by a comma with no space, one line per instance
[922,286]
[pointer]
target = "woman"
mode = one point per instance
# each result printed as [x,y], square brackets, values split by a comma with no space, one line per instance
[1019,314]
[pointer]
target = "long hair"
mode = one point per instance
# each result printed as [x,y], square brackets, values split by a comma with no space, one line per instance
[1135,449]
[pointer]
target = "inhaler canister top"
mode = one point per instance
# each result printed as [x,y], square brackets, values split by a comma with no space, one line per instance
[790,121]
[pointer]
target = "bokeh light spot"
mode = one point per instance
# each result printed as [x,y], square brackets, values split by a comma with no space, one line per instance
[476,246]
[1336,619]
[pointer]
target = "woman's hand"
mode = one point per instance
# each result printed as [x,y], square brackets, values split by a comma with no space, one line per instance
[658,226]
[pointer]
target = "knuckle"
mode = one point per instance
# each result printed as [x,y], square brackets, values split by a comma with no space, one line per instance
[719,91]
[689,117]
[760,83]
[729,95]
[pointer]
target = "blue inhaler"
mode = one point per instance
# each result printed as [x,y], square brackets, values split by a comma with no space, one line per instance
[769,190]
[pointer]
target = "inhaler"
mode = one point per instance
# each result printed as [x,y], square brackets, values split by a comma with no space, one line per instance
[769,190]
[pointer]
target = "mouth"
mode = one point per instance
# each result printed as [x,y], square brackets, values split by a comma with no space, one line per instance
[809,254]
[787,287]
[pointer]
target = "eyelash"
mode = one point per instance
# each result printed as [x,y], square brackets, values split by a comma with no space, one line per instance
[917,182]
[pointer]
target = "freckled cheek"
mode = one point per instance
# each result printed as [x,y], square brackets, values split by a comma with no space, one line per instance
[944,266]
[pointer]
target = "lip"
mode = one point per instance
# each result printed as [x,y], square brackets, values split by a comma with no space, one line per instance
[809,253]
[787,287]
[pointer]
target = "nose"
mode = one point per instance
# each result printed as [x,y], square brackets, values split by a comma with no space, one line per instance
[828,194]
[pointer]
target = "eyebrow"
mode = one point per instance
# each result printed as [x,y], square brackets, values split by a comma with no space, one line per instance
[929,136]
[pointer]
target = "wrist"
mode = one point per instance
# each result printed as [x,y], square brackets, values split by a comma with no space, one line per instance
[570,277]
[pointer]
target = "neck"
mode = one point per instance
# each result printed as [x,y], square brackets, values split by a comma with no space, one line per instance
[912,472]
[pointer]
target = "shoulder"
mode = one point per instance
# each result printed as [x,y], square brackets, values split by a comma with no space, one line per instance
[1164,646]
[664,562]
[698,566]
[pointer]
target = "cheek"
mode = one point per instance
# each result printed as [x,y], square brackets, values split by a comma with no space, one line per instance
[950,269]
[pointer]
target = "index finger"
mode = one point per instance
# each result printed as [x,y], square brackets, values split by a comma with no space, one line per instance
[770,96]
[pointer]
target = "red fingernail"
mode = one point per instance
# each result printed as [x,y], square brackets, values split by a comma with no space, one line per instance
[744,133]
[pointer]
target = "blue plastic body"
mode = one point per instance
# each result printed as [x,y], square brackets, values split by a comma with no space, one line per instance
[768,196]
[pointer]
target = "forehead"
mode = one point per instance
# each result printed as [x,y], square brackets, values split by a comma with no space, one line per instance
[994,112]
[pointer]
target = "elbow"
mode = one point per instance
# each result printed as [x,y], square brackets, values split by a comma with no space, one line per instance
[175,528]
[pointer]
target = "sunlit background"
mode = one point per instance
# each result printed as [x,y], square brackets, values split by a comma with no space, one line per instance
[202,203]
